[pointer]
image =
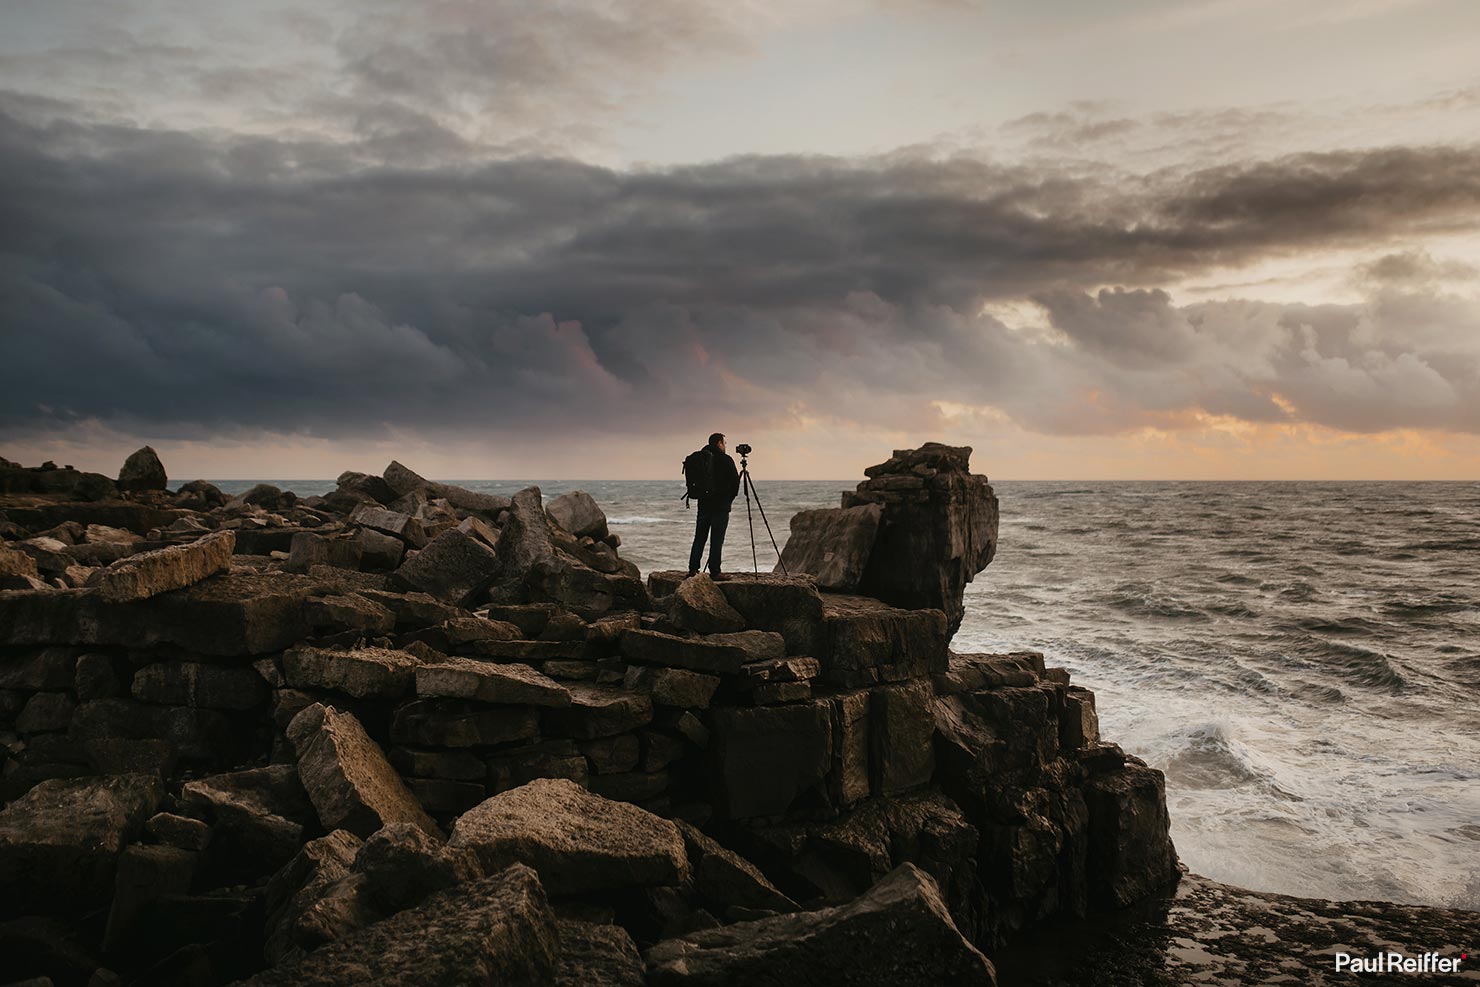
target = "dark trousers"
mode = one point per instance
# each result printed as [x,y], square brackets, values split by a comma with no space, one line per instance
[713,519]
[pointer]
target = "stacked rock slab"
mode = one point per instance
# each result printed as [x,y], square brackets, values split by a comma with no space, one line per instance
[276,706]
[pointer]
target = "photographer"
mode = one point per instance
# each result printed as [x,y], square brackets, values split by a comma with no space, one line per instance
[712,479]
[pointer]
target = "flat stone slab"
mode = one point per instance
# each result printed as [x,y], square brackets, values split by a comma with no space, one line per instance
[351,784]
[466,678]
[147,574]
[494,930]
[657,648]
[365,673]
[595,711]
[898,934]
[577,841]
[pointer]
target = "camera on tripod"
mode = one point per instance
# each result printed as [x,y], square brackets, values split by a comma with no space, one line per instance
[744,448]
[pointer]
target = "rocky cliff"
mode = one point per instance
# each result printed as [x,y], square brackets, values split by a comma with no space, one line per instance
[410,733]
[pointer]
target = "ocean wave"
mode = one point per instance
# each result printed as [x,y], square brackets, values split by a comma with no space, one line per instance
[1206,757]
[1362,665]
[1143,601]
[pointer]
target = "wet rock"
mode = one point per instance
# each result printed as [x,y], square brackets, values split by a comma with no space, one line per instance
[364,673]
[464,678]
[899,933]
[59,843]
[672,686]
[459,724]
[832,545]
[578,513]
[765,759]
[454,567]
[577,841]
[347,778]
[142,470]
[206,686]
[696,654]
[698,605]
[495,930]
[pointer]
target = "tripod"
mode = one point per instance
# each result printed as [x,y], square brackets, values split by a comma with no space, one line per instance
[748,485]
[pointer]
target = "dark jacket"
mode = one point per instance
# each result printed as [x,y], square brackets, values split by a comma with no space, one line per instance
[726,478]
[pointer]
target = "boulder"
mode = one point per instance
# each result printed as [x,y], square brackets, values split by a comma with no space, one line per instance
[724,879]
[302,912]
[832,545]
[757,645]
[899,934]
[902,728]
[258,814]
[349,612]
[376,551]
[179,831]
[465,678]
[347,778]
[577,841]
[454,567]
[787,604]
[523,541]
[402,865]
[142,470]
[59,843]
[578,513]
[867,641]
[596,955]
[363,673]
[404,481]
[147,574]
[698,605]
[458,724]
[494,930]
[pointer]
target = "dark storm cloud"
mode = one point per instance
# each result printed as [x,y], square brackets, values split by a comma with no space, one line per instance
[186,285]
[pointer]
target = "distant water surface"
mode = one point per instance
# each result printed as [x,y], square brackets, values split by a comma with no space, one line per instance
[1302,659]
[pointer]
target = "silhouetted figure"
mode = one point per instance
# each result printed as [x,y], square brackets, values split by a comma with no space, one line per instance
[710,477]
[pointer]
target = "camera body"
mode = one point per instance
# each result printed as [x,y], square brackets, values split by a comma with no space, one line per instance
[743,448]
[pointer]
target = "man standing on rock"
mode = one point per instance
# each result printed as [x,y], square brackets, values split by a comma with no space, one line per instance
[711,478]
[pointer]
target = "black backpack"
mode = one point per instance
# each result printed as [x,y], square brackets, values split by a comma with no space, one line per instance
[698,476]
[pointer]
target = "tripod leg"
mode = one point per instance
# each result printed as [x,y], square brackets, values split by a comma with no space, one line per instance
[768,529]
[750,520]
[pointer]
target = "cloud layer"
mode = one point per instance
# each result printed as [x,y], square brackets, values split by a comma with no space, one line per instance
[184,284]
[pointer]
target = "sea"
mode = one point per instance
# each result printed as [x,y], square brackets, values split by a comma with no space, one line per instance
[1301,659]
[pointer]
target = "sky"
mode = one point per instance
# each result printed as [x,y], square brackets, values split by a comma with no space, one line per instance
[1206,239]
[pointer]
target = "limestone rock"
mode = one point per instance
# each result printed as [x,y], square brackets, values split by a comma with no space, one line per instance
[59,843]
[577,841]
[465,678]
[200,684]
[454,567]
[403,865]
[672,686]
[364,673]
[768,757]
[458,724]
[348,612]
[596,955]
[725,879]
[599,712]
[495,930]
[757,645]
[1130,846]
[696,654]
[404,481]
[699,606]
[347,778]
[899,934]
[257,814]
[401,526]
[147,574]
[578,513]
[302,911]
[832,545]
[142,470]
[902,725]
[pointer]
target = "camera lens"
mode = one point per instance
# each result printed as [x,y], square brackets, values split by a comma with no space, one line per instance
[743,449]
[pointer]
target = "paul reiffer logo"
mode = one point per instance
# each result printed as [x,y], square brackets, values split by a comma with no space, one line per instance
[1399,963]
